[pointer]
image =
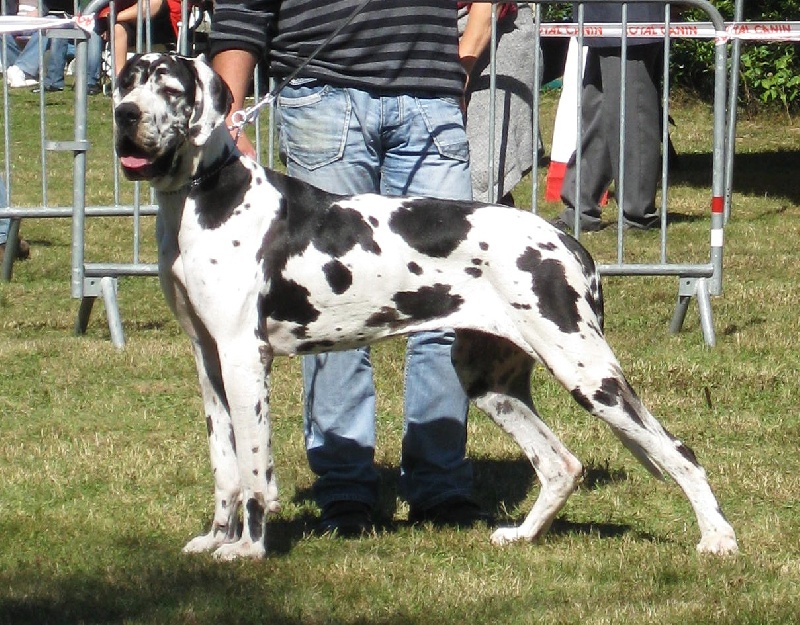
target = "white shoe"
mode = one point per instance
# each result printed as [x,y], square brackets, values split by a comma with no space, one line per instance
[15,77]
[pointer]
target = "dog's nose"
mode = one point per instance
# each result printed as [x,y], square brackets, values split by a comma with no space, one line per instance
[127,115]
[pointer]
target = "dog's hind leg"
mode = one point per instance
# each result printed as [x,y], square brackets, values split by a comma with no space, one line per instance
[496,375]
[586,366]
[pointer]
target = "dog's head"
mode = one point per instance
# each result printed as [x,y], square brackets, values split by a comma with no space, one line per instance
[165,109]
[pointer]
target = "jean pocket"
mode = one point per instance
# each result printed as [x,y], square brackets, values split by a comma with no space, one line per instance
[313,121]
[445,123]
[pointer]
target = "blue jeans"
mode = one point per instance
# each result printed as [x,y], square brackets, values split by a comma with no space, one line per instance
[28,59]
[60,49]
[12,50]
[55,63]
[348,141]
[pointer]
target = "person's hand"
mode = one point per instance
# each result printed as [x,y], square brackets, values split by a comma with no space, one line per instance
[243,143]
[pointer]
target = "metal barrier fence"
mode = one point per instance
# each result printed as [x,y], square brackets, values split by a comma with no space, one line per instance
[92,280]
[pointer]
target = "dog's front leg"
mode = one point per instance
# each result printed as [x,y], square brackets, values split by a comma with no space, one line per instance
[227,485]
[245,368]
[222,450]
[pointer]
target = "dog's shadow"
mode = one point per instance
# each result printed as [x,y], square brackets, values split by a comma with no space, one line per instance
[502,487]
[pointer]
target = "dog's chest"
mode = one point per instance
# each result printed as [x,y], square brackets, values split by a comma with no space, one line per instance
[220,257]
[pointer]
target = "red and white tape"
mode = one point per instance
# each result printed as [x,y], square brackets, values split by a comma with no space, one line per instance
[10,24]
[745,31]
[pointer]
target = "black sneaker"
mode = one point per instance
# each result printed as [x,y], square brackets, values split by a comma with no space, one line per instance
[458,512]
[50,89]
[561,225]
[94,90]
[585,227]
[348,519]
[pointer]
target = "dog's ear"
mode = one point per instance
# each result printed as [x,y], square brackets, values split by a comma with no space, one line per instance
[213,101]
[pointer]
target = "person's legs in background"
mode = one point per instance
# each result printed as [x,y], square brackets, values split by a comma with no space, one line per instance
[323,142]
[11,51]
[25,69]
[55,65]
[93,63]
[426,153]
[332,138]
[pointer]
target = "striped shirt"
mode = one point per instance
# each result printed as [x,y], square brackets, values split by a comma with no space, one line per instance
[391,46]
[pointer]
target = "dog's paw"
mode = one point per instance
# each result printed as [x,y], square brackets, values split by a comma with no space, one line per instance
[204,542]
[241,549]
[718,543]
[505,535]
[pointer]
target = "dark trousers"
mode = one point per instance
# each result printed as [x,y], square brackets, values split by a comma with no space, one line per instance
[600,138]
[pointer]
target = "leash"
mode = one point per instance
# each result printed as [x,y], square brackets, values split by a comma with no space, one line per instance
[245,116]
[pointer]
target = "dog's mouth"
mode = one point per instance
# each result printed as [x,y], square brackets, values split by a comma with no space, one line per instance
[135,165]
[138,165]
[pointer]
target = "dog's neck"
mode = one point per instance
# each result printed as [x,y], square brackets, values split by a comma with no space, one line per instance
[200,163]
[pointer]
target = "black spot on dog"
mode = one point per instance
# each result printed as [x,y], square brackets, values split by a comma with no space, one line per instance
[505,407]
[373,221]
[429,302]
[209,425]
[433,227]
[386,316]
[557,300]
[255,518]
[236,243]
[687,453]
[218,194]
[312,347]
[339,277]
[582,400]
[519,306]
[232,439]
[474,272]
[483,245]
[287,301]
[414,268]
[608,393]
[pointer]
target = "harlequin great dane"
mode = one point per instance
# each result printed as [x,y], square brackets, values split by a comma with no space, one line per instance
[256,264]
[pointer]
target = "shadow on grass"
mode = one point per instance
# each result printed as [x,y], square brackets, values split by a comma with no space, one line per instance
[152,583]
[500,485]
[757,174]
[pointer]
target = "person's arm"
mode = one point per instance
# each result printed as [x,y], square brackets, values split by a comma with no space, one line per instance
[239,37]
[477,35]
[129,14]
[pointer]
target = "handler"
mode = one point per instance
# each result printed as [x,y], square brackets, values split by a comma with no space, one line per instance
[378,110]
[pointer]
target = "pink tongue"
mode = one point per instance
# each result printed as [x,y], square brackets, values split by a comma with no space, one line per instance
[134,162]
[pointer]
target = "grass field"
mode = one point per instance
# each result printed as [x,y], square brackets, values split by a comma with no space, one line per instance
[104,473]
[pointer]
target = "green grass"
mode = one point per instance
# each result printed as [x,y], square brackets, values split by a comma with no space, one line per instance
[104,473]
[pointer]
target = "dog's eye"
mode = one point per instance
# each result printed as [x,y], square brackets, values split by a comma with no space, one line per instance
[171,92]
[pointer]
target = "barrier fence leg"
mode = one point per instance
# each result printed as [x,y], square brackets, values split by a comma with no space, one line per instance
[84,312]
[697,288]
[107,289]
[108,286]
